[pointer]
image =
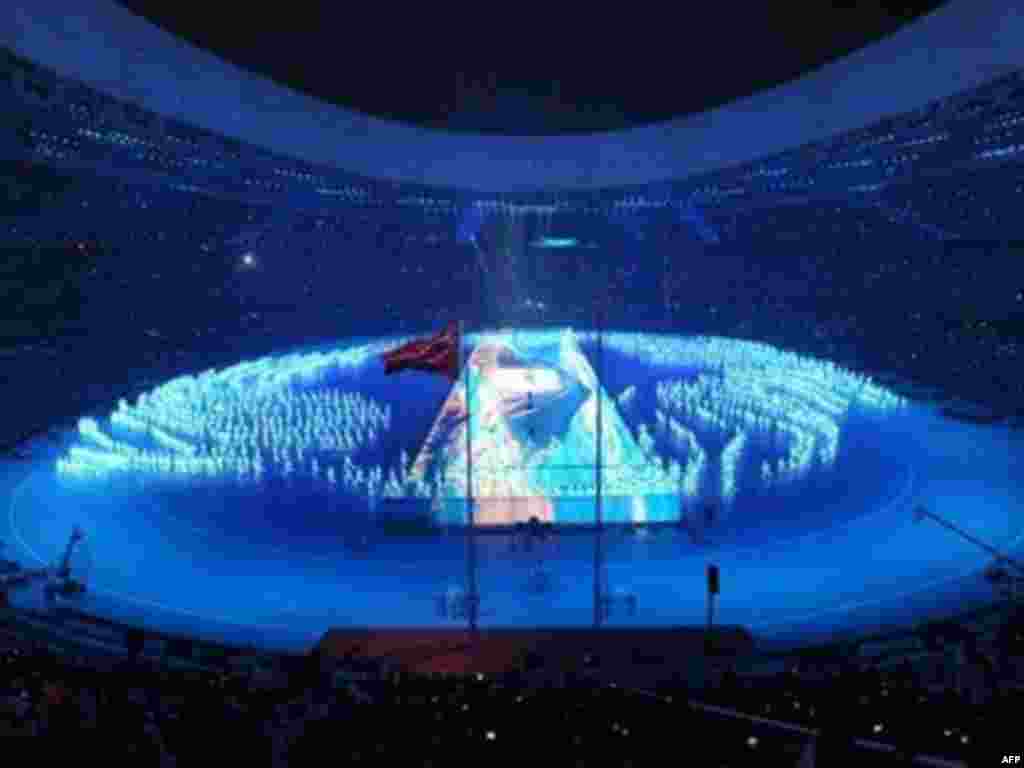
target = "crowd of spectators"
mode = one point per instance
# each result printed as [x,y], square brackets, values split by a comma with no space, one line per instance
[58,701]
[188,276]
[56,705]
[917,277]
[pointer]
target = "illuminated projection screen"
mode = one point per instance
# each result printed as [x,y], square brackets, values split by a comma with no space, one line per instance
[534,404]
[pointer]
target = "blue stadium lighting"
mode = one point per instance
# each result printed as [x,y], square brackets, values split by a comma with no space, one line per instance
[555,242]
[267,500]
[752,417]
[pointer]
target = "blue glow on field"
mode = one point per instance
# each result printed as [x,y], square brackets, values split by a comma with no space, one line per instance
[262,496]
[312,417]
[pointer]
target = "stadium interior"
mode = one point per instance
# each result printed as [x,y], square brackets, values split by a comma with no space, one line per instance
[173,294]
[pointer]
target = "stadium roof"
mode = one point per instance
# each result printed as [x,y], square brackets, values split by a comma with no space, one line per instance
[958,47]
[559,72]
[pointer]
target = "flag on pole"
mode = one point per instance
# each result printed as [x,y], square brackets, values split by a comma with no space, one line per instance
[435,354]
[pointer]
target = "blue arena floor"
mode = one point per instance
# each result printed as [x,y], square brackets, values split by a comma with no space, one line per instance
[814,531]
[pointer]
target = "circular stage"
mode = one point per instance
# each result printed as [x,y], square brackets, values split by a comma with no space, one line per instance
[270,501]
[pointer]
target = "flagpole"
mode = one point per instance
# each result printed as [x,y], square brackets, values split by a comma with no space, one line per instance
[464,367]
[598,510]
[473,602]
[600,420]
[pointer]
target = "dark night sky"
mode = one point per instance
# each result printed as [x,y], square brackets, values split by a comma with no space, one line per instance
[507,69]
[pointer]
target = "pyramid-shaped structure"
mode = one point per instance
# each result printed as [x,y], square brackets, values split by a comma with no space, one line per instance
[534,402]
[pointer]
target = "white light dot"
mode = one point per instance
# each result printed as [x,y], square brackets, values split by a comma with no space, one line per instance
[491,735]
[752,741]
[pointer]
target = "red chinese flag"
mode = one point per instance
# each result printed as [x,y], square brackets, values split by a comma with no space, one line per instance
[437,354]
